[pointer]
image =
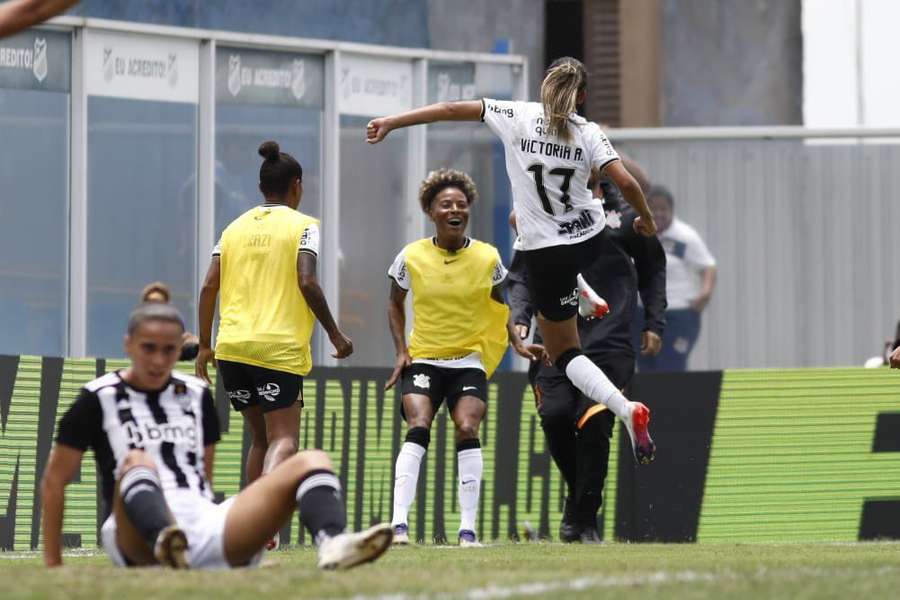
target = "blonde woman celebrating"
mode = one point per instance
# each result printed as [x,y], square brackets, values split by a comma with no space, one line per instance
[551,155]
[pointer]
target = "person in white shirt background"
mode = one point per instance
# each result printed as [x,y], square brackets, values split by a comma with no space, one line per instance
[690,280]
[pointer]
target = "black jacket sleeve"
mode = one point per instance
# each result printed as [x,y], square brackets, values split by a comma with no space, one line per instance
[189,351]
[650,263]
[518,298]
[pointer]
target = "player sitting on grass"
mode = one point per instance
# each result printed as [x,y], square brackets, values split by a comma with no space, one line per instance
[153,431]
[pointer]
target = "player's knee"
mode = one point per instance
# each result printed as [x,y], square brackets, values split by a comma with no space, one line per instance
[137,458]
[309,460]
[285,442]
[418,420]
[467,430]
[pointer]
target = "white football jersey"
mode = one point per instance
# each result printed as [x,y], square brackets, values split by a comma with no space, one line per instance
[549,176]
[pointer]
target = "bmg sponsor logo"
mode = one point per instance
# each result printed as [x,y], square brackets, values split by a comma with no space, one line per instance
[505,111]
[142,434]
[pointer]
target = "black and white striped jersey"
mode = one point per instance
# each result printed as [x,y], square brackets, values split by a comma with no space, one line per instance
[173,425]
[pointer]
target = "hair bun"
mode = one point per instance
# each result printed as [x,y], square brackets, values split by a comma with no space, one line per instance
[269,150]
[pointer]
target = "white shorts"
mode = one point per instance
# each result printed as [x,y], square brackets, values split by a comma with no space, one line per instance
[203,523]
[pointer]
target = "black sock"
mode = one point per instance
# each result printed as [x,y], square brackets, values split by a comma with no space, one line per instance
[144,502]
[320,504]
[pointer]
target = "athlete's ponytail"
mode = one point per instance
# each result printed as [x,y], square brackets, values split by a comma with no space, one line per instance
[564,80]
[278,170]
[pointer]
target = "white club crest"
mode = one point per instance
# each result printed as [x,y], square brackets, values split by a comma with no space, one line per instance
[109,68]
[422,381]
[613,219]
[298,81]
[173,70]
[234,74]
[39,63]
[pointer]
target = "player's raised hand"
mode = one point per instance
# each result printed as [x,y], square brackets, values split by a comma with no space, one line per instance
[377,129]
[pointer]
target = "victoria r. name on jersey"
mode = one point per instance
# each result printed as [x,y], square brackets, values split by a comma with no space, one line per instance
[551,149]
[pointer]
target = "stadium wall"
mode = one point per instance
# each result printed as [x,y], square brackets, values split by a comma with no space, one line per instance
[765,456]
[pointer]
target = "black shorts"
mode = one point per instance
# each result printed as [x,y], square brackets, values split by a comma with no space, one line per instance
[558,398]
[552,275]
[249,385]
[439,383]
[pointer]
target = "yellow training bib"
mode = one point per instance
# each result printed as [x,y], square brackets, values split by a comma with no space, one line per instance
[453,312]
[263,318]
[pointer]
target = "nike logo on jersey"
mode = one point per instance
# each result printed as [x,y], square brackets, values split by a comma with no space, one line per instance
[447,262]
[466,388]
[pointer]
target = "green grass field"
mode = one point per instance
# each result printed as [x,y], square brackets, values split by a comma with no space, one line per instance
[536,570]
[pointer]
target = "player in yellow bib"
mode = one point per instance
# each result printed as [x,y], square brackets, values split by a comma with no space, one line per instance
[461,330]
[264,268]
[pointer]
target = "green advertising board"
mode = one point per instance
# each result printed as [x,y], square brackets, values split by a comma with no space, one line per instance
[795,455]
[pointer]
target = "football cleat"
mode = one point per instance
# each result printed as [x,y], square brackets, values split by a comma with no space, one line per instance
[637,424]
[568,528]
[348,550]
[468,538]
[590,304]
[274,543]
[171,547]
[401,534]
[591,535]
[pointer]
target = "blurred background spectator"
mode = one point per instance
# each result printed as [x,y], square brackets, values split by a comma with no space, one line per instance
[159,292]
[690,279]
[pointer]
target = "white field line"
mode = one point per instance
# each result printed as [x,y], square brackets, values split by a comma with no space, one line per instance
[545,587]
[31,554]
[540,588]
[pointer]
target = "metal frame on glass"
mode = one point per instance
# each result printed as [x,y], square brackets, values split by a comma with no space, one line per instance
[332,51]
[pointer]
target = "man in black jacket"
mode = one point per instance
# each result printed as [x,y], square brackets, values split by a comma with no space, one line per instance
[578,431]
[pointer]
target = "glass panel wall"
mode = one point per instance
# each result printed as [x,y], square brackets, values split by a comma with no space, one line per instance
[373,231]
[266,96]
[142,211]
[373,201]
[142,178]
[34,201]
[471,147]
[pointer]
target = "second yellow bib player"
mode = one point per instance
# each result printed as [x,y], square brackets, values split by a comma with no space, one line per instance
[461,330]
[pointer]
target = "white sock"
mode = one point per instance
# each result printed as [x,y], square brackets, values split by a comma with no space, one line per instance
[405,480]
[471,466]
[594,384]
